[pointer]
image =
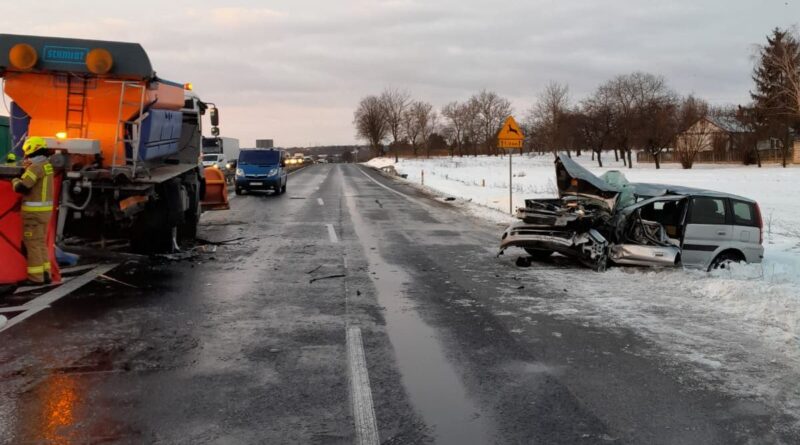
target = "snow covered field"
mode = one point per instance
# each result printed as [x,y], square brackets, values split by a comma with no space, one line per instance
[739,328]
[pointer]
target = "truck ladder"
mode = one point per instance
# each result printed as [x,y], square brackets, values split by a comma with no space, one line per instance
[120,139]
[76,106]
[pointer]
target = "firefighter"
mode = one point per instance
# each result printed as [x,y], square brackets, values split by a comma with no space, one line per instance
[11,159]
[36,187]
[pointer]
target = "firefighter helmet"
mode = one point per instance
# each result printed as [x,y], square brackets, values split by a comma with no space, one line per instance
[11,157]
[33,144]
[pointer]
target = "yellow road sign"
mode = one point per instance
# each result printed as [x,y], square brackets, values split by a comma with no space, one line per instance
[510,135]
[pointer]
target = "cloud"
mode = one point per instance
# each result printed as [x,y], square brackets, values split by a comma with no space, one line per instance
[237,16]
[287,61]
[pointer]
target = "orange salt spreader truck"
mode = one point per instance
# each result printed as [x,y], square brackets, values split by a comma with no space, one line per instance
[127,142]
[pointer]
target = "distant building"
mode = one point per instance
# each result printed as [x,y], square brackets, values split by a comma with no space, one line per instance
[717,132]
[265,143]
[721,139]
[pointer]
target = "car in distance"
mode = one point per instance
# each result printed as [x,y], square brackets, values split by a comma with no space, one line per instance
[261,169]
[596,220]
[215,159]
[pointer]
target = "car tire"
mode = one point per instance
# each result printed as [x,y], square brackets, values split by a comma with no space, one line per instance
[539,254]
[601,264]
[725,259]
[283,189]
[238,191]
[523,261]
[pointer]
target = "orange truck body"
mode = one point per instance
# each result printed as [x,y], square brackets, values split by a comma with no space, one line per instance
[43,96]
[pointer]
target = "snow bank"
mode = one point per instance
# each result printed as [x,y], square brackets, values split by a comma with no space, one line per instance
[379,162]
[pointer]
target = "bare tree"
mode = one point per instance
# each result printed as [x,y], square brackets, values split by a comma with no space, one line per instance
[492,110]
[547,115]
[395,102]
[696,131]
[631,93]
[370,123]
[473,129]
[418,123]
[597,124]
[658,123]
[456,125]
[428,121]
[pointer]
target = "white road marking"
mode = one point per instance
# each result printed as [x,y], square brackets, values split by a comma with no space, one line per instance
[42,302]
[363,411]
[320,201]
[414,200]
[76,269]
[12,309]
[332,233]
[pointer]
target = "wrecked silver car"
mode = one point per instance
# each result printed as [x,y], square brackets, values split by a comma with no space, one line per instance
[600,219]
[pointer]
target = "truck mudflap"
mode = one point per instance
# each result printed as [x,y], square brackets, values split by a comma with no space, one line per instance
[216,196]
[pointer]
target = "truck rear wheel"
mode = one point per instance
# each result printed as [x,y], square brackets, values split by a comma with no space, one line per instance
[187,231]
[155,229]
[151,233]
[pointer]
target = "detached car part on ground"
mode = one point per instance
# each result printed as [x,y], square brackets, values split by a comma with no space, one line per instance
[600,219]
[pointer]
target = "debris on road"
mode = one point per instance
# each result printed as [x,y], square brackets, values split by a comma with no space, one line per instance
[106,277]
[202,241]
[341,275]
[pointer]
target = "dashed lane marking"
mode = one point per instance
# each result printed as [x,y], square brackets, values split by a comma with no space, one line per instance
[332,233]
[363,410]
[44,301]
[320,201]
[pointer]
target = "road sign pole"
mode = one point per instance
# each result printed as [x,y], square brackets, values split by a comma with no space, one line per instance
[510,190]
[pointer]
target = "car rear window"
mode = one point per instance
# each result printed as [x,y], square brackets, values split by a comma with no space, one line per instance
[744,214]
[708,211]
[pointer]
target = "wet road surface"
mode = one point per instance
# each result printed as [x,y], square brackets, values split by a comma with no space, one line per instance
[250,344]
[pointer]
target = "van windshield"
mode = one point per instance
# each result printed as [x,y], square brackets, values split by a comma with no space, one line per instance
[259,157]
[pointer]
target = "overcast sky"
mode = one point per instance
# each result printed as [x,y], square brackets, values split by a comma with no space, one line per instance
[294,70]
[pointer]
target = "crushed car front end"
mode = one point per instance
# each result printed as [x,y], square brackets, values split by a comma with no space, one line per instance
[594,221]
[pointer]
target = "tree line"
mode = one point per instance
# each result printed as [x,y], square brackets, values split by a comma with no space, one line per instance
[630,112]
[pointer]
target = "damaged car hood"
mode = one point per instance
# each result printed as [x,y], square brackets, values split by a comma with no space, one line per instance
[574,180]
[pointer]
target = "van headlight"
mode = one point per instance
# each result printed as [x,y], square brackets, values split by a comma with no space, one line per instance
[272,172]
[239,172]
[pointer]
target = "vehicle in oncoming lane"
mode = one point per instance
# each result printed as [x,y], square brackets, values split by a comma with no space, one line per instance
[261,169]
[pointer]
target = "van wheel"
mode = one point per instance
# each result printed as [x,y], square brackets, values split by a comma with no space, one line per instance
[725,259]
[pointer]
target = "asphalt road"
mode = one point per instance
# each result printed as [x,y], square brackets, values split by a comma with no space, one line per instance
[249,343]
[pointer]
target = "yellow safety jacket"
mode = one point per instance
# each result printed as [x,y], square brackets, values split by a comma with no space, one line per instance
[38,181]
